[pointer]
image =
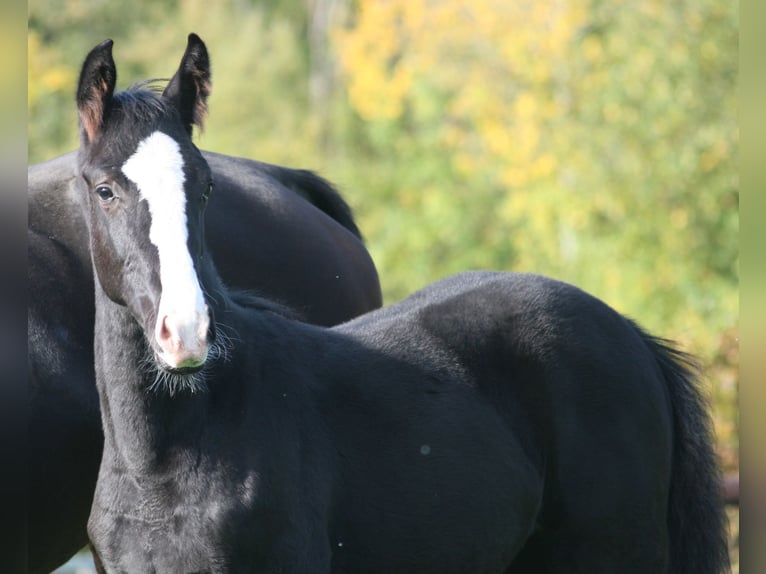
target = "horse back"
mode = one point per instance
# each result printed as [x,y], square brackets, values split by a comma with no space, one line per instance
[304,183]
[560,364]
[327,260]
[513,331]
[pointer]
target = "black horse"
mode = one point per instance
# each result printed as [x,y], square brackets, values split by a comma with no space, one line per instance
[285,233]
[490,423]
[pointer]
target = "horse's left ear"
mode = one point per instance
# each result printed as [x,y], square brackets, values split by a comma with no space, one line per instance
[190,86]
[95,90]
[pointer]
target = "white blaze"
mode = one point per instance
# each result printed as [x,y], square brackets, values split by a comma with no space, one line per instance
[157,170]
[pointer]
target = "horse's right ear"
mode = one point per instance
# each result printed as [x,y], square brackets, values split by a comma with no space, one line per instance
[189,87]
[95,90]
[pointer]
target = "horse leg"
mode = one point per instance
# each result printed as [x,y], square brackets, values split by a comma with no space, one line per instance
[564,551]
[600,519]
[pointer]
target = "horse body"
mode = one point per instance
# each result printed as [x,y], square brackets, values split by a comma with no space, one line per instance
[492,422]
[421,438]
[283,233]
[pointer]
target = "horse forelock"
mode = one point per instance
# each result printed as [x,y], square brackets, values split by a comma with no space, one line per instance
[139,109]
[153,85]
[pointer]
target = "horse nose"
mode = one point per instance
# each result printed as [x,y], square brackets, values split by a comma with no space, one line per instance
[183,343]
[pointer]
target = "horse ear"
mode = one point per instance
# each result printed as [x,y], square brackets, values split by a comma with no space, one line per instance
[95,89]
[190,86]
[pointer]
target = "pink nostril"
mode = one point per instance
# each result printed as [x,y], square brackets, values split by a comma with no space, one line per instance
[167,337]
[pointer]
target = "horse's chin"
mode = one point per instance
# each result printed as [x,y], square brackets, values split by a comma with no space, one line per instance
[181,371]
[189,369]
[177,380]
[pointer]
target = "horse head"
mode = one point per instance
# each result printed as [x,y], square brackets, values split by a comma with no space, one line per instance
[146,187]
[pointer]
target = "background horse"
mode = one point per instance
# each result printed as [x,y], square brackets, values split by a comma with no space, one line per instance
[490,423]
[284,233]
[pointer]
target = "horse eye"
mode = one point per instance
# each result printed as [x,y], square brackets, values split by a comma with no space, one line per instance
[104,192]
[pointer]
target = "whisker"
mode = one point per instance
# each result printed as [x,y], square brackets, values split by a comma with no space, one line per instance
[164,381]
[222,346]
[232,334]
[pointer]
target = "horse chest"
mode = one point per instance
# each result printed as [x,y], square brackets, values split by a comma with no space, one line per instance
[177,528]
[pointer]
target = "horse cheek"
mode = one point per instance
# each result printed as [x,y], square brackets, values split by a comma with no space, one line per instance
[109,271]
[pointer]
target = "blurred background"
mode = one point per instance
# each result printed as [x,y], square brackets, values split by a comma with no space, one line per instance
[595,141]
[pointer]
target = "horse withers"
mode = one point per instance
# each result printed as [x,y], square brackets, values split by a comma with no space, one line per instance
[490,423]
[283,233]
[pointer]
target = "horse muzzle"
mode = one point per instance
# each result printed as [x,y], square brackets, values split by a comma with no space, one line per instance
[183,341]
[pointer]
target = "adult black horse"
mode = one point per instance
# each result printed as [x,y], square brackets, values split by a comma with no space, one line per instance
[284,233]
[490,423]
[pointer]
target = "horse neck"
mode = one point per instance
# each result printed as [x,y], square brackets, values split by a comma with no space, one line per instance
[143,428]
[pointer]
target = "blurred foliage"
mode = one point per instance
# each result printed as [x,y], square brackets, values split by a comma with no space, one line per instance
[593,141]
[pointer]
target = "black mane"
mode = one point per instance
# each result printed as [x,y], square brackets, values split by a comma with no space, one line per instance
[140,106]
